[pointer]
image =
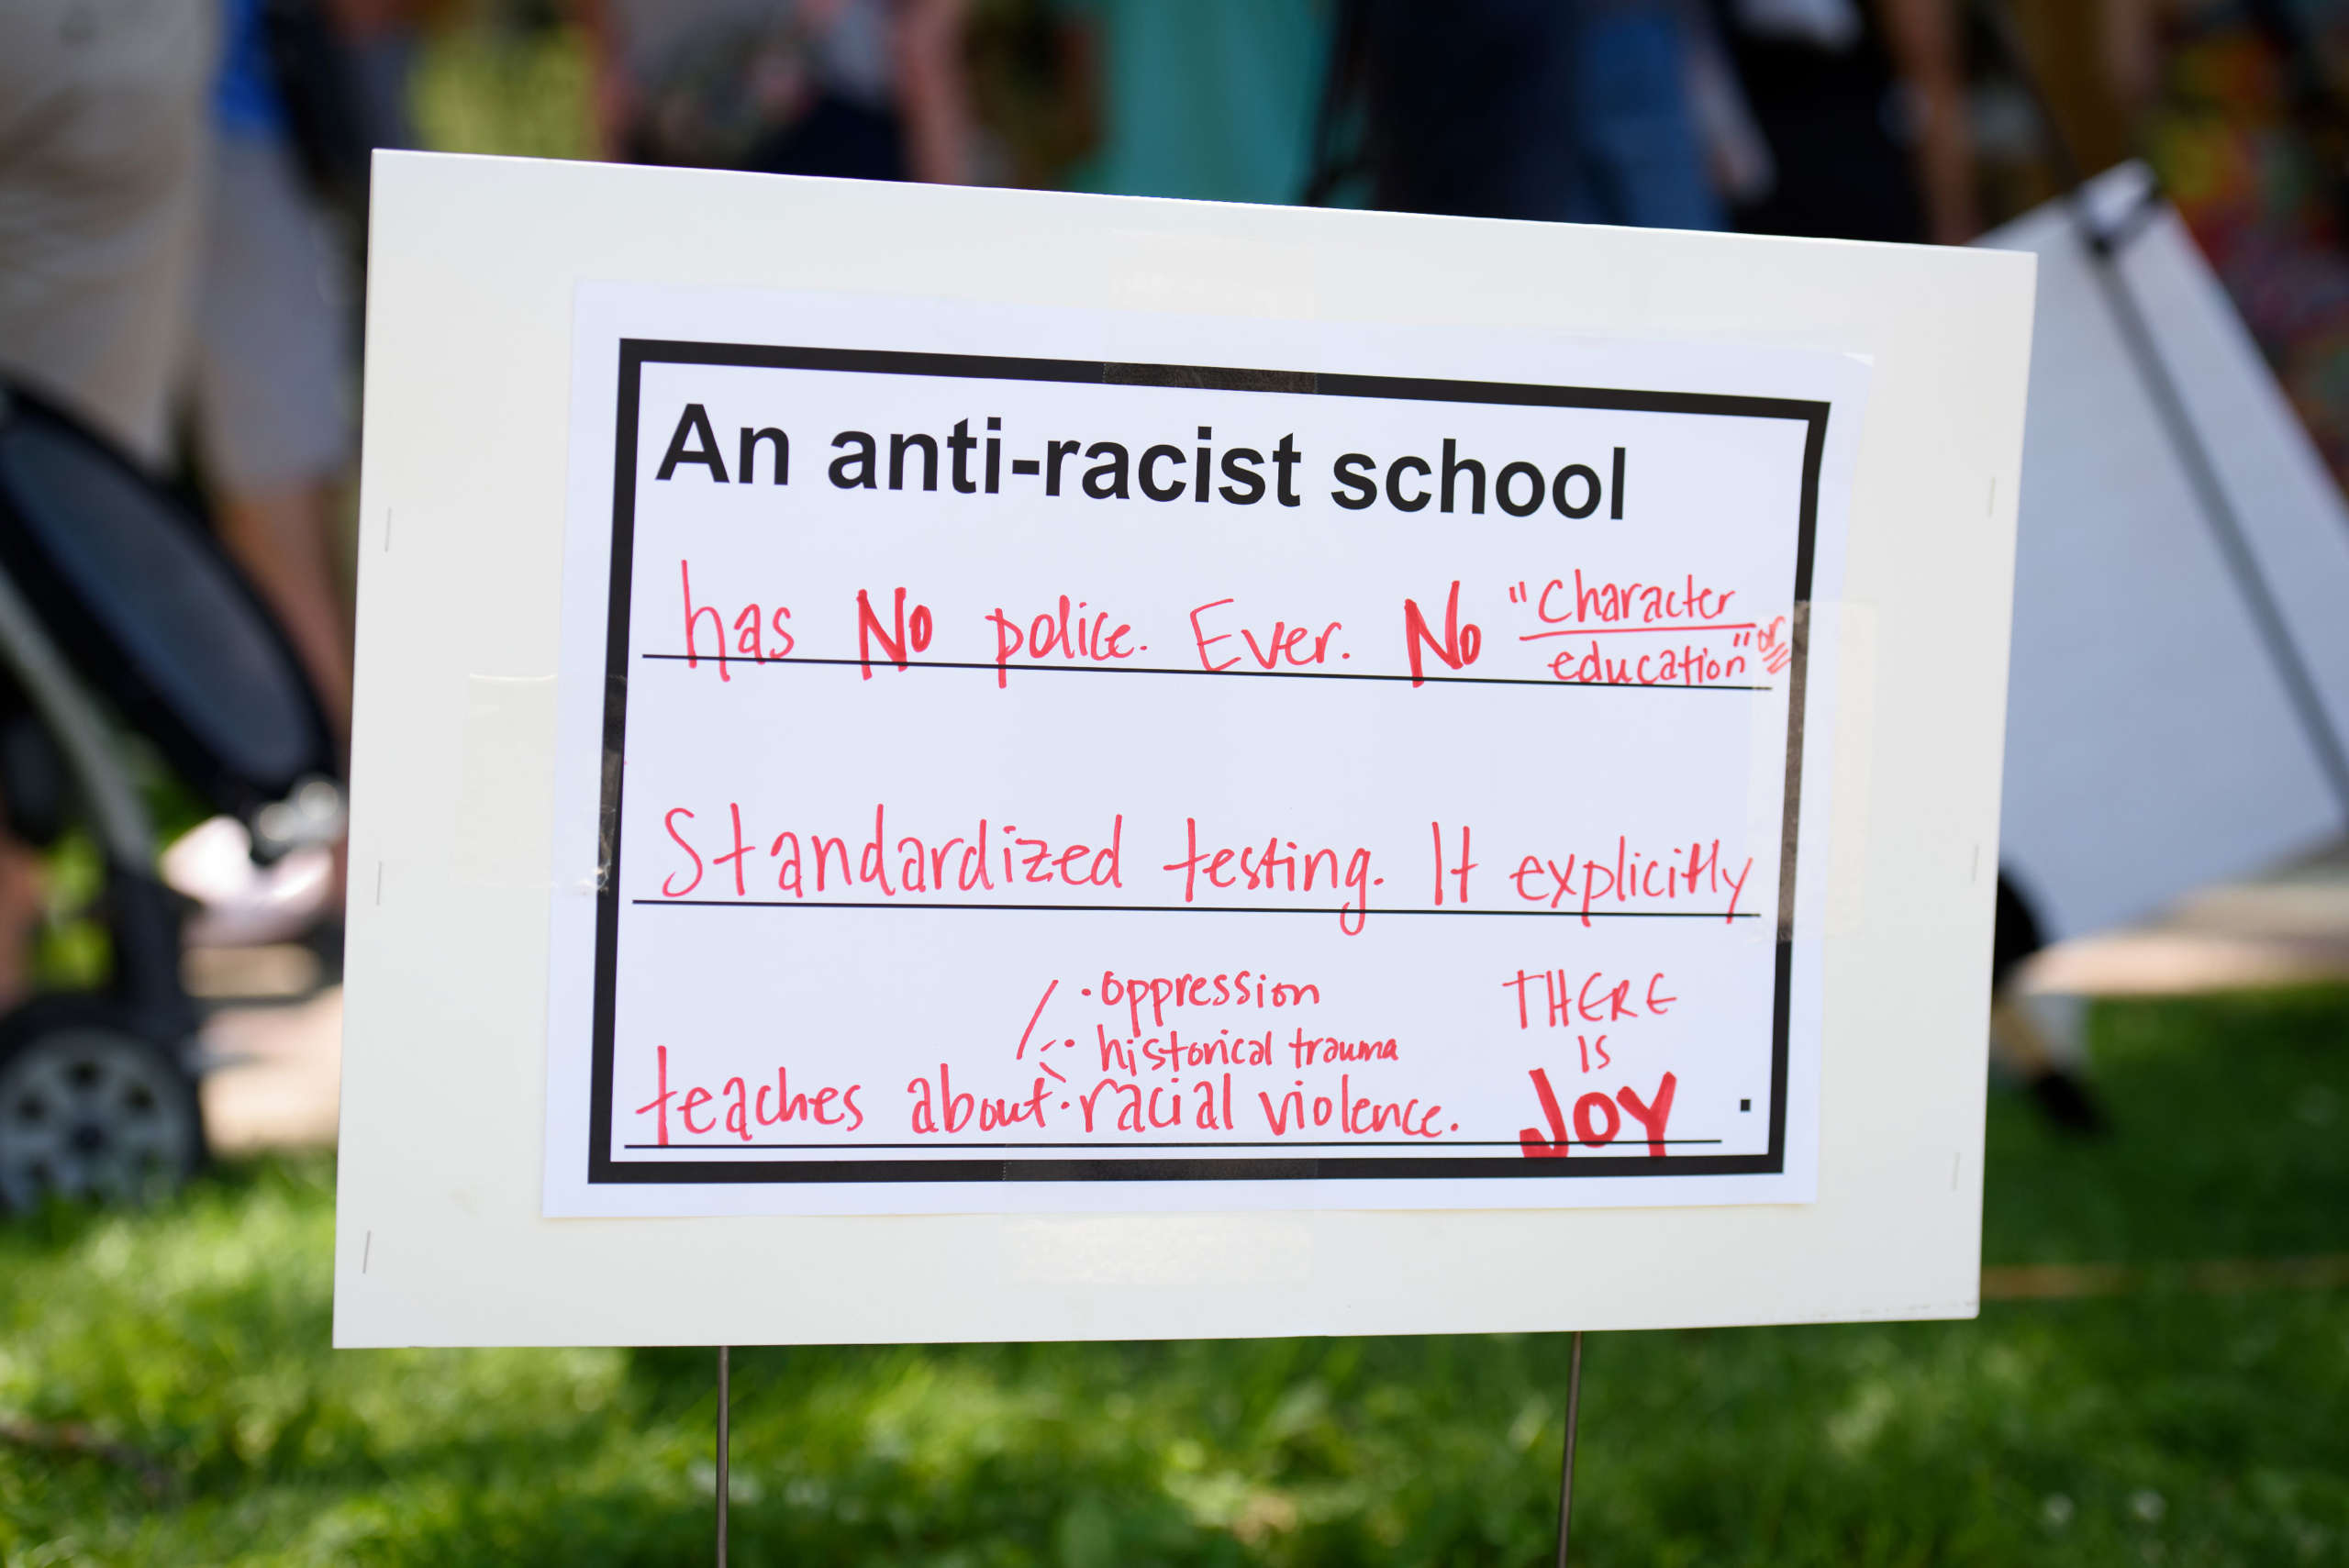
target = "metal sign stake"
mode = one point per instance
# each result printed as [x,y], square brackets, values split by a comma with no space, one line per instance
[724,1402]
[1567,1463]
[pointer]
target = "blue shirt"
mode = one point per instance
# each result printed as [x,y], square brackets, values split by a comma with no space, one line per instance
[244,95]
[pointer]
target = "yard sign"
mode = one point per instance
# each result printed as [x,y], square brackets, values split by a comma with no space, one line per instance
[969,764]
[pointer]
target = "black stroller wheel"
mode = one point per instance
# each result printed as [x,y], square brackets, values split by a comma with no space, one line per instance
[90,1109]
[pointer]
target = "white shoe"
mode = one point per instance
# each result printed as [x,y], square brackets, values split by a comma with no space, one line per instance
[241,903]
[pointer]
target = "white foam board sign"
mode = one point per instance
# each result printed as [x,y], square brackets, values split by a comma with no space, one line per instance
[958,764]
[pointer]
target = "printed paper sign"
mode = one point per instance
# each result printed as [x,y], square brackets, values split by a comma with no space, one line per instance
[1055,783]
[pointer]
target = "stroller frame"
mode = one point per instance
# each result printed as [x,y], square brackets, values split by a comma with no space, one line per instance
[98,1089]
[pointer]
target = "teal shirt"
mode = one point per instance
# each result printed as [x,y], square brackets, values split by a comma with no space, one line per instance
[1209,99]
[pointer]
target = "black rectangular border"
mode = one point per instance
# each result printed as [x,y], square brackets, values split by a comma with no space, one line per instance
[634,353]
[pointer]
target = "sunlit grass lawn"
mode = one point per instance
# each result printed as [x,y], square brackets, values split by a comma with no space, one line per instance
[2164,1427]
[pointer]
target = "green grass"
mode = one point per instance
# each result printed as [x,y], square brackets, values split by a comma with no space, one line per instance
[2165,1428]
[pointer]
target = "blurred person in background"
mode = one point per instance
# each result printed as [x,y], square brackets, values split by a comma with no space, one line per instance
[105,131]
[274,375]
[1861,104]
[1212,100]
[274,379]
[857,89]
[1566,110]
[1034,100]
[381,40]
[105,134]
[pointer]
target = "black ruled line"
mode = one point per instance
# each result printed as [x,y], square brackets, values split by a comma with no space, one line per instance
[1721,915]
[880,664]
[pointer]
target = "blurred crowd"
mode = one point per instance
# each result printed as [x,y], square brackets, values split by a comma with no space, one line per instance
[182,182]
